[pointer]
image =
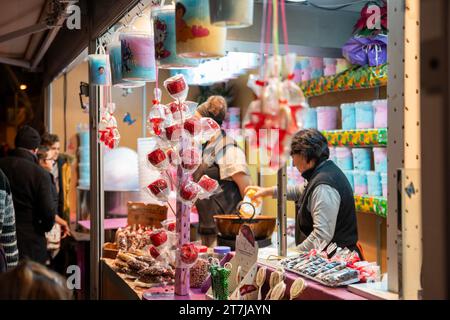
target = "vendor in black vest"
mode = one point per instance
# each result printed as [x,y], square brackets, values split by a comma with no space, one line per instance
[325,203]
[224,161]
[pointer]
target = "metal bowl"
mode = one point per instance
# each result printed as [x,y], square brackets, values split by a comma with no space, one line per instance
[229,225]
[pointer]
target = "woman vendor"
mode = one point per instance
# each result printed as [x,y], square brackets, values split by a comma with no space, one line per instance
[224,161]
[324,203]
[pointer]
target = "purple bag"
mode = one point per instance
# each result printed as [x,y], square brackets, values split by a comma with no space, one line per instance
[364,51]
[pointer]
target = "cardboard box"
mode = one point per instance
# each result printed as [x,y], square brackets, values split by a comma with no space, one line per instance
[146,214]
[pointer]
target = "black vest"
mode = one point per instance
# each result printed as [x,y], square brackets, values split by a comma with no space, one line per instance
[345,234]
[224,202]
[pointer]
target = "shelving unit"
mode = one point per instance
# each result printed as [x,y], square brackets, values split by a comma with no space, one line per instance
[351,79]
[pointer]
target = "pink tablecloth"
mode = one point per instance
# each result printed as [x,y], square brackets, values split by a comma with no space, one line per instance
[116,223]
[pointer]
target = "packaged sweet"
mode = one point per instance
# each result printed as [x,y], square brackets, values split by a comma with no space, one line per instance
[177,87]
[187,255]
[159,189]
[169,224]
[158,159]
[174,158]
[174,132]
[208,128]
[199,273]
[158,237]
[191,159]
[193,126]
[179,111]
[189,192]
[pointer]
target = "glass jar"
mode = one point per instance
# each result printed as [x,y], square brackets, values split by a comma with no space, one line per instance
[200,270]
[221,251]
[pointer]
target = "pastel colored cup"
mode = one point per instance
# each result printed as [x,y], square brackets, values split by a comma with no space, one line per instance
[329,61]
[304,63]
[306,75]
[383,176]
[309,116]
[316,62]
[350,178]
[329,70]
[360,180]
[84,139]
[381,111]
[364,115]
[348,116]
[361,158]
[83,153]
[344,158]
[374,183]
[316,73]
[380,159]
[327,118]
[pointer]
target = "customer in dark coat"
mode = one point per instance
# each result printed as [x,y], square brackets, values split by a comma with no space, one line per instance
[34,206]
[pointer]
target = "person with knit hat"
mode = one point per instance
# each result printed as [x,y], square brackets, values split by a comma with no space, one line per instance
[35,205]
[224,161]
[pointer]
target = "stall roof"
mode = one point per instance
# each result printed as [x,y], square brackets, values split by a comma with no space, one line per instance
[27,28]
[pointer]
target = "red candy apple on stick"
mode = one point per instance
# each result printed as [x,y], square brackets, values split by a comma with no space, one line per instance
[158,237]
[177,87]
[190,159]
[158,158]
[159,189]
[188,254]
[189,192]
[209,187]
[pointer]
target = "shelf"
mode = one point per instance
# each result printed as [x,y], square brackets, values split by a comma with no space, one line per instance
[370,204]
[357,138]
[352,79]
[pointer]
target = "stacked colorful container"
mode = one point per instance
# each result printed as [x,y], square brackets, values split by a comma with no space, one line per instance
[84,158]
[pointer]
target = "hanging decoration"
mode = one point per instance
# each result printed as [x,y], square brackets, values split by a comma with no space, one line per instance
[196,36]
[138,50]
[275,115]
[231,13]
[115,56]
[99,68]
[164,30]
[108,133]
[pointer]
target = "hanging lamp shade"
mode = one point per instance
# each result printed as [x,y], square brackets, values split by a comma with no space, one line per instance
[99,68]
[115,57]
[164,31]
[196,36]
[231,13]
[138,51]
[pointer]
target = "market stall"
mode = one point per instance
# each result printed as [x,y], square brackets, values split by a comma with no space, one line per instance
[341,91]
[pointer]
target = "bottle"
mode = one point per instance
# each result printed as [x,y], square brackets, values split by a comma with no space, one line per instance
[221,251]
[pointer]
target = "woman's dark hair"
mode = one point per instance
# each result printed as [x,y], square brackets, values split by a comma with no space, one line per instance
[312,144]
[49,139]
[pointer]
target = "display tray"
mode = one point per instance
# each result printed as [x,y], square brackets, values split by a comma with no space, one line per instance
[346,283]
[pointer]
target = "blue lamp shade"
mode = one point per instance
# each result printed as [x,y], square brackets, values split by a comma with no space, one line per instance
[231,13]
[196,36]
[164,30]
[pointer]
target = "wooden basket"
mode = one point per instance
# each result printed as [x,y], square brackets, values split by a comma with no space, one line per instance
[146,214]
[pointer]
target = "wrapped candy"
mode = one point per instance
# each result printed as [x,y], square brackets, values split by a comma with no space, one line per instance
[174,158]
[191,159]
[157,158]
[179,111]
[174,131]
[189,192]
[187,255]
[158,237]
[169,225]
[159,189]
[177,87]
[209,187]
[157,115]
[209,128]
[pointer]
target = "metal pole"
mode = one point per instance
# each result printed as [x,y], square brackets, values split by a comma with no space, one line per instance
[96,181]
[281,212]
